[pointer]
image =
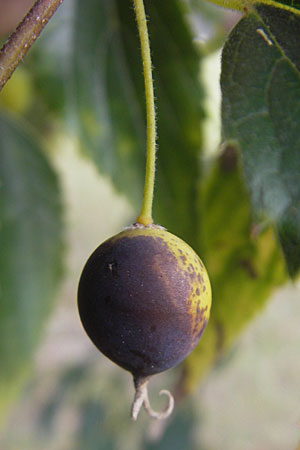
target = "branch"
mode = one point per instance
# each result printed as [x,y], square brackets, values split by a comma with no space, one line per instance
[18,44]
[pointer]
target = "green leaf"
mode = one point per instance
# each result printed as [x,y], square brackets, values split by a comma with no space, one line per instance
[243,271]
[285,5]
[110,111]
[244,264]
[261,88]
[107,111]
[31,247]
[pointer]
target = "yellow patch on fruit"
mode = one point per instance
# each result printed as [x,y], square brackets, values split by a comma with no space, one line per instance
[189,264]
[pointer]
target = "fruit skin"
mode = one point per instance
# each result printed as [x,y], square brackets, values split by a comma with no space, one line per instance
[144,299]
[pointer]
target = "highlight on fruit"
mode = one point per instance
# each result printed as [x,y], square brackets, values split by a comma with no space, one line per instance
[144,299]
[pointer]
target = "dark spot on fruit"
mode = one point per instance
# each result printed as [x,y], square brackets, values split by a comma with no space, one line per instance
[183,259]
[200,263]
[159,240]
[200,319]
[200,332]
[200,278]
[192,276]
[153,328]
[197,291]
[144,358]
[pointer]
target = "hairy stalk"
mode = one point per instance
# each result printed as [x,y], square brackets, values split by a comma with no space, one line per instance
[145,216]
[18,44]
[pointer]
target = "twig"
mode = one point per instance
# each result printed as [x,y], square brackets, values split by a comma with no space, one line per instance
[18,44]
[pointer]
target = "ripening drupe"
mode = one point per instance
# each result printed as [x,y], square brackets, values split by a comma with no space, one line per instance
[144,299]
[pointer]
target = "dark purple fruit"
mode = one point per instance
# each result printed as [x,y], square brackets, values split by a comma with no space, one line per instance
[144,299]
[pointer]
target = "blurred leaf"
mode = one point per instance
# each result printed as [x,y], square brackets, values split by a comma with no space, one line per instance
[90,432]
[67,384]
[109,102]
[48,84]
[210,24]
[207,11]
[97,398]
[91,422]
[261,110]
[31,247]
[179,434]
[16,95]
[48,62]
[243,262]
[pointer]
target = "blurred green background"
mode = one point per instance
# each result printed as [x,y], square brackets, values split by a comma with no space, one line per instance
[75,106]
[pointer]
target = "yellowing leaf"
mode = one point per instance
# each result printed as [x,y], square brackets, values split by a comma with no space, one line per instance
[244,264]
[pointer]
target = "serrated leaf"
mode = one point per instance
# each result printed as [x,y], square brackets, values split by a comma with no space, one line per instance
[31,245]
[244,264]
[110,111]
[261,88]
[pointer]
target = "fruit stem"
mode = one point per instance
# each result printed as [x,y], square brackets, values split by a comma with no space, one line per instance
[145,216]
[141,399]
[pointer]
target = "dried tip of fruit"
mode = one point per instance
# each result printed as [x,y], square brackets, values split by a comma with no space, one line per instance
[141,399]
